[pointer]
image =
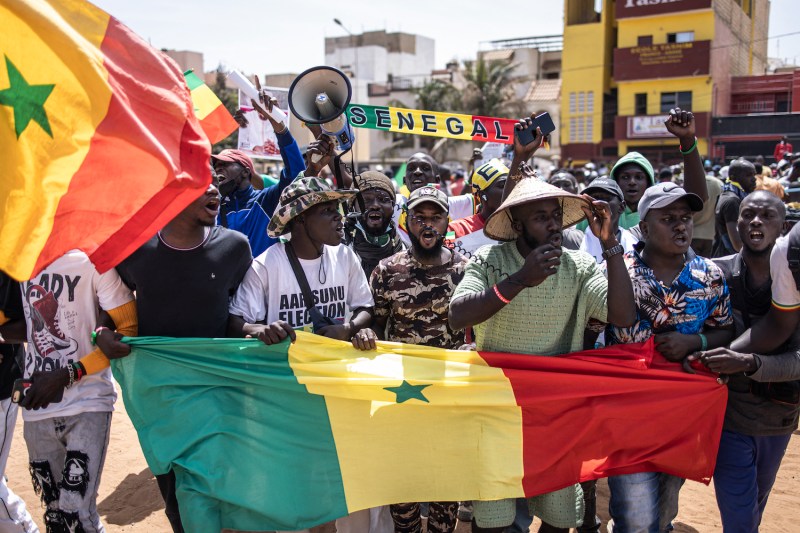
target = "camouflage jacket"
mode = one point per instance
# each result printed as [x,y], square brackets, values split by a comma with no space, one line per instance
[414,298]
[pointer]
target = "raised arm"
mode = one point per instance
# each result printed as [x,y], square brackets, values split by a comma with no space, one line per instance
[522,153]
[347,178]
[682,125]
[621,304]
[293,162]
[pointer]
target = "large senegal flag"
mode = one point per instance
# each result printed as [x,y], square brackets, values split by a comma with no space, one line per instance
[214,118]
[432,123]
[98,138]
[290,436]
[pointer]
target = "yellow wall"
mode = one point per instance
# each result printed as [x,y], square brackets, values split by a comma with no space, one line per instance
[624,146]
[628,33]
[701,89]
[629,29]
[586,66]
[585,63]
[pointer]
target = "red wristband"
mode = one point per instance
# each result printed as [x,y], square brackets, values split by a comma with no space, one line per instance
[502,298]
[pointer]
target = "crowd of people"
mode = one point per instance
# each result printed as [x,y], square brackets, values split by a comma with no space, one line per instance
[700,258]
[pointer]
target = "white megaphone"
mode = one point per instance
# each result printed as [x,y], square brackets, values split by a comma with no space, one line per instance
[320,96]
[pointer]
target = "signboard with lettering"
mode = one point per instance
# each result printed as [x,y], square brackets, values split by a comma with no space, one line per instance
[642,8]
[662,60]
[647,126]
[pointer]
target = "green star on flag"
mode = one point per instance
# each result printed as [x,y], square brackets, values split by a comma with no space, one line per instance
[27,100]
[406,391]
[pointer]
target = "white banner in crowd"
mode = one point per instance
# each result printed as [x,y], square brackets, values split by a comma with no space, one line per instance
[491,150]
[258,139]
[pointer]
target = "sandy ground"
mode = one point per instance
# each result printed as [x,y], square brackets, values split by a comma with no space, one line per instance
[129,499]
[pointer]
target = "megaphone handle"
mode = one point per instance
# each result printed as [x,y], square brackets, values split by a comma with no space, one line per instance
[316,158]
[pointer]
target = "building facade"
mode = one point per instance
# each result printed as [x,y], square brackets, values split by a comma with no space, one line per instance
[382,67]
[628,64]
[536,75]
[762,110]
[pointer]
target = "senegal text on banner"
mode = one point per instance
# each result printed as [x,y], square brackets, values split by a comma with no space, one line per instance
[97,137]
[290,436]
[432,123]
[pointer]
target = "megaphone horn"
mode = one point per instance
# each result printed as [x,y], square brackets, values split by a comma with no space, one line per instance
[320,95]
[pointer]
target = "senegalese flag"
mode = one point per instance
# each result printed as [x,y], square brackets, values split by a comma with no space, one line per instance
[432,123]
[293,435]
[214,118]
[99,143]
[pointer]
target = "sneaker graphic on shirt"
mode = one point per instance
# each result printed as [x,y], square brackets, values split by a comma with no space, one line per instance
[48,338]
[46,312]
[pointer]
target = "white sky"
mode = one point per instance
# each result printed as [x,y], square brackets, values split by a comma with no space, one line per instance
[289,36]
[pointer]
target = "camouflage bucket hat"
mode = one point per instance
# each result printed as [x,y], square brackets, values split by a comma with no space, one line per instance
[298,197]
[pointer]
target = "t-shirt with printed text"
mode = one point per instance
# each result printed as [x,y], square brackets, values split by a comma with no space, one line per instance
[270,291]
[61,306]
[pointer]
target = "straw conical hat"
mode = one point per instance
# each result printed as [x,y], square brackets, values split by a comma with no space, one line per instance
[529,190]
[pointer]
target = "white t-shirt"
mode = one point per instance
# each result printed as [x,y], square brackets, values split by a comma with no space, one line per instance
[592,246]
[784,290]
[459,207]
[61,311]
[270,292]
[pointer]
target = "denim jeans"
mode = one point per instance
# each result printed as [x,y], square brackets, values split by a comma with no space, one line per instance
[14,516]
[66,459]
[743,478]
[591,524]
[644,503]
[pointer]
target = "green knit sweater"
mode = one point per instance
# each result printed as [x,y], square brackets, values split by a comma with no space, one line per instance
[548,319]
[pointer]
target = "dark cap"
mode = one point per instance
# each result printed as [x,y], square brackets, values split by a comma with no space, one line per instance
[237,156]
[428,194]
[372,179]
[663,194]
[606,185]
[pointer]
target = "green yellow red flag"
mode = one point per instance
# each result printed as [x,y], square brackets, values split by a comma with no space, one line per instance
[432,123]
[289,436]
[214,118]
[98,138]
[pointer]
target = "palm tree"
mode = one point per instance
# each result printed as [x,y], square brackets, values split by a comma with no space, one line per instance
[437,95]
[489,89]
[434,95]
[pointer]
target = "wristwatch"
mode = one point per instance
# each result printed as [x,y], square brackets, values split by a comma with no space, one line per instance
[611,252]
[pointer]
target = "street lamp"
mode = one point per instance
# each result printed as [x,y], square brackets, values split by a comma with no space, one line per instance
[352,43]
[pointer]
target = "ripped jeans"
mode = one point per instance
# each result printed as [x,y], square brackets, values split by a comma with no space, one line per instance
[66,459]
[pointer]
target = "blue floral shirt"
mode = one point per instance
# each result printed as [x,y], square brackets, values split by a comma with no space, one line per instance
[697,299]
